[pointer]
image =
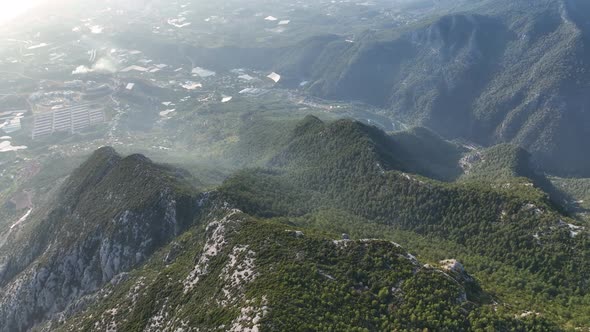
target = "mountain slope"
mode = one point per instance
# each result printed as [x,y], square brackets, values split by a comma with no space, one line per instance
[250,275]
[129,245]
[490,72]
[109,216]
[506,72]
[346,166]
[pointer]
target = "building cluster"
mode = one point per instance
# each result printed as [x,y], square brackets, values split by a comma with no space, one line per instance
[70,119]
[10,121]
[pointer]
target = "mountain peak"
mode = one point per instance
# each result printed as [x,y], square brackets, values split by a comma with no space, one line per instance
[137,158]
[91,172]
[113,213]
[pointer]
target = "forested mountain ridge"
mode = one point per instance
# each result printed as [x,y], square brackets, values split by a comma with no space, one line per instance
[238,273]
[161,256]
[508,221]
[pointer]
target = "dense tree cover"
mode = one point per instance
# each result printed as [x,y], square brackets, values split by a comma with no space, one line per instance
[345,177]
[491,72]
[429,154]
[308,281]
[502,162]
[578,191]
[352,167]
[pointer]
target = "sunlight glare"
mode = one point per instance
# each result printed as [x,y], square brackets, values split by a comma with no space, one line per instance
[10,9]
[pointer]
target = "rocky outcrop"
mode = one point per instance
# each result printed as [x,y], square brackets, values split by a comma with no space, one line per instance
[100,233]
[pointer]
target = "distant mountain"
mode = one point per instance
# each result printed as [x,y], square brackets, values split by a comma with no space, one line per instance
[508,71]
[489,71]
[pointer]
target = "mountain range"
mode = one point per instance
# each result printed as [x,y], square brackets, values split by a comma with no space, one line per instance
[468,211]
[128,244]
[489,72]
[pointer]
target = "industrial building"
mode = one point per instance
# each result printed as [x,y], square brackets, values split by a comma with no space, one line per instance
[72,119]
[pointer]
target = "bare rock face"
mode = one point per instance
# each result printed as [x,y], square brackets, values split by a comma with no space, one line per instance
[112,214]
[452,265]
[455,269]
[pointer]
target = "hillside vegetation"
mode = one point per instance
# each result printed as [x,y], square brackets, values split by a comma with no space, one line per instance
[501,72]
[490,72]
[510,224]
[142,249]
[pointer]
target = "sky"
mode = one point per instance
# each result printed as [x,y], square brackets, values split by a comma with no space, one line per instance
[10,9]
